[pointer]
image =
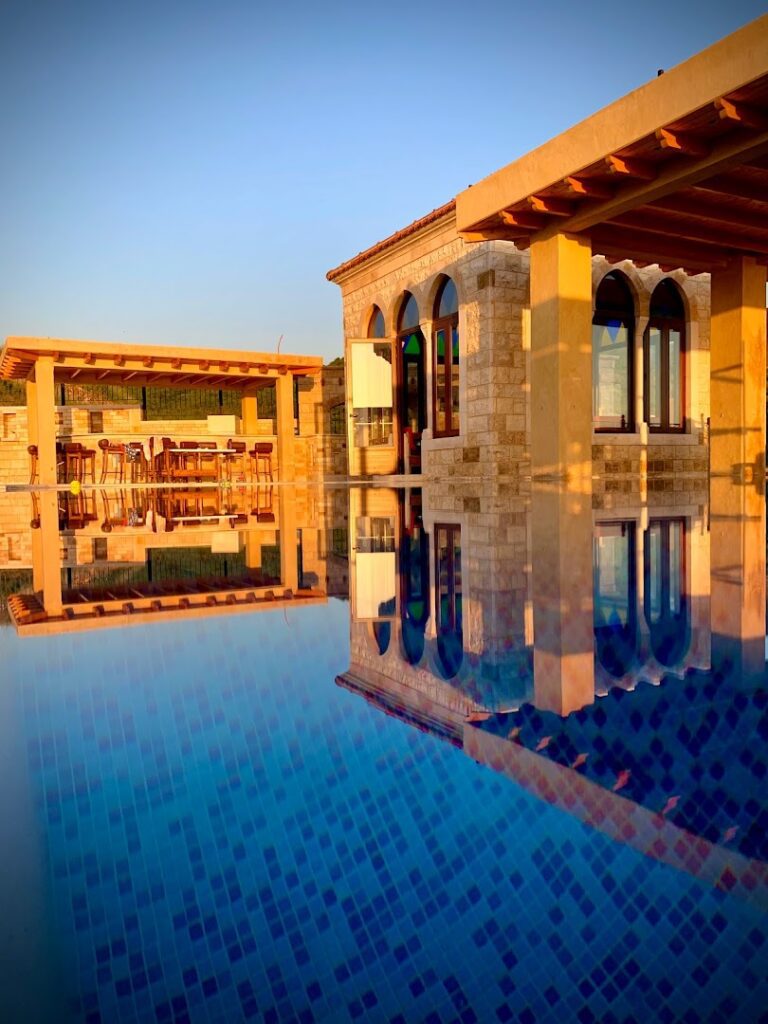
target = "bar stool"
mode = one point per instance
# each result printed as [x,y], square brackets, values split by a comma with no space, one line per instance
[114,451]
[136,461]
[32,449]
[261,458]
[77,459]
[239,450]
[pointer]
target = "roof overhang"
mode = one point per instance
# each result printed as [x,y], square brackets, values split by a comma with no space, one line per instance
[98,362]
[675,172]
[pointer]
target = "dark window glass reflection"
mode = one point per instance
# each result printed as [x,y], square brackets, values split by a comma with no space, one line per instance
[450,637]
[613,326]
[615,597]
[663,355]
[414,580]
[665,585]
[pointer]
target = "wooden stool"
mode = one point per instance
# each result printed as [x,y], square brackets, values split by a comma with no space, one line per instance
[116,452]
[261,456]
[76,460]
[239,451]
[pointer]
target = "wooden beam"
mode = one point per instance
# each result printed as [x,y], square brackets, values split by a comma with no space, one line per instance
[119,360]
[734,149]
[203,364]
[148,361]
[741,114]
[628,167]
[692,231]
[631,244]
[681,142]
[551,205]
[737,188]
[89,359]
[176,364]
[523,219]
[588,188]
[489,235]
[714,213]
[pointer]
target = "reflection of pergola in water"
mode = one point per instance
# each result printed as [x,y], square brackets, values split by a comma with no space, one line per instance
[45,362]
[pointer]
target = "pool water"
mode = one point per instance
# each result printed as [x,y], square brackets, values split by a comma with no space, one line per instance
[237,817]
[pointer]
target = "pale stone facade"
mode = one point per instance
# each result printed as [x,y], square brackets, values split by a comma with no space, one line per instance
[492,280]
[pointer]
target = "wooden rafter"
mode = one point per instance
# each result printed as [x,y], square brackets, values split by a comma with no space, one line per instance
[681,142]
[692,231]
[632,243]
[588,188]
[741,114]
[548,204]
[717,214]
[629,167]
[523,219]
[737,188]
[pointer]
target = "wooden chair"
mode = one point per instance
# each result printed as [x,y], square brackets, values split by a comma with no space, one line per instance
[239,452]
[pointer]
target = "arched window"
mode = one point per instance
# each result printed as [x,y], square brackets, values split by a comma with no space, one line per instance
[414,578]
[445,364]
[371,369]
[376,326]
[663,357]
[613,328]
[413,412]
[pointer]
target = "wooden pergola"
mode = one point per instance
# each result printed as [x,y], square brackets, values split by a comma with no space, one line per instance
[45,362]
[674,173]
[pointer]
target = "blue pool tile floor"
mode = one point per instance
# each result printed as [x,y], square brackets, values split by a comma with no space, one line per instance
[225,835]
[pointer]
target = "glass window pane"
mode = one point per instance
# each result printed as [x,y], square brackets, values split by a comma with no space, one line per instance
[440,412]
[610,374]
[675,379]
[611,571]
[455,379]
[654,581]
[449,300]
[675,566]
[376,327]
[654,377]
[409,315]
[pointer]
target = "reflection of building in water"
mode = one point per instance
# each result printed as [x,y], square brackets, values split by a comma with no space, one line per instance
[107,556]
[448,638]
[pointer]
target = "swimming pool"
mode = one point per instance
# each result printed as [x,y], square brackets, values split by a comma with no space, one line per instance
[259,816]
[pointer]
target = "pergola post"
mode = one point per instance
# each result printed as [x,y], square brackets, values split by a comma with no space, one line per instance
[561,359]
[562,592]
[41,415]
[46,554]
[286,464]
[737,486]
[289,555]
[249,414]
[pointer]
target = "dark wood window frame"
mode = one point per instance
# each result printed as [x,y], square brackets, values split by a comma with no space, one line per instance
[664,325]
[453,540]
[605,319]
[447,324]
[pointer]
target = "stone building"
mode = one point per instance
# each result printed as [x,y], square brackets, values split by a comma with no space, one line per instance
[586,313]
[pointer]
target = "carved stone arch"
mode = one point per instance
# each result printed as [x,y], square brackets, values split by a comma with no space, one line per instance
[368,315]
[435,283]
[628,273]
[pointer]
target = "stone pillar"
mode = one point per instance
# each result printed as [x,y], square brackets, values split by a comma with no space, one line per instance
[289,556]
[563,616]
[286,463]
[561,359]
[249,413]
[42,417]
[46,554]
[737,361]
[737,486]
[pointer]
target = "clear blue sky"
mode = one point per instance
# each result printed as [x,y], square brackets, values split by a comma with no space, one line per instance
[186,173]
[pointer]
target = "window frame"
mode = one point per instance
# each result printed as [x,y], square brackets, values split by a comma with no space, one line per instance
[447,324]
[664,324]
[603,318]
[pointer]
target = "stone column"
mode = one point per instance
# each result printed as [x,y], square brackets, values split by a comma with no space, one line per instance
[737,487]
[46,554]
[563,616]
[561,359]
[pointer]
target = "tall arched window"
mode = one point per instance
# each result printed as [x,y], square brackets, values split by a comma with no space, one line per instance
[613,328]
[413,411]
[663,353]
[371,368]
[665,590]
[615,597]
[445,364]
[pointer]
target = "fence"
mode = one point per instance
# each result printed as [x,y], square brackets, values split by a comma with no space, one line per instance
[155,403]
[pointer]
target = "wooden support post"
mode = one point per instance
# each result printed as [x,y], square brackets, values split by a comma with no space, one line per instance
[286,465]
[289,556]
[44,416]
[46,554]
[563,617]
[249,414]
[561,360]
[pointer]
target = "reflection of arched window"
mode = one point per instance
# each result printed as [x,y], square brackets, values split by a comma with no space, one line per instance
[414,580]
[382,632]
[413,411]
[445,366]
[663,351]
[615,597]
[450,634]
[665,599]
[613,326]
